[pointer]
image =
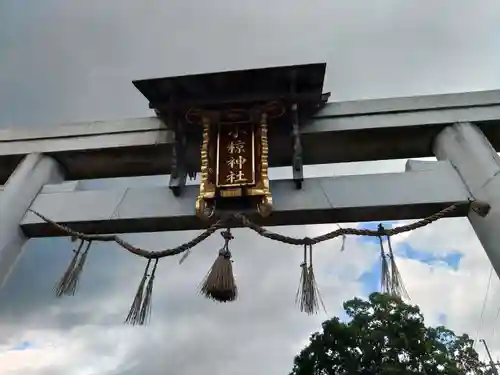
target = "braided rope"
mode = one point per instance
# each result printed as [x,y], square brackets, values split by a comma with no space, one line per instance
[245,221]
[148,254]
[345,231]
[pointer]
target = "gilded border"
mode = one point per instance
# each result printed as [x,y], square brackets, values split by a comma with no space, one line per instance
[201,204]
[266,203]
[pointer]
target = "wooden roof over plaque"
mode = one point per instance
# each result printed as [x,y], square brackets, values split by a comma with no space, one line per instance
[302,84]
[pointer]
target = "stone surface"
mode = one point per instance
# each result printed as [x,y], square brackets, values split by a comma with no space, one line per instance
[378,129]
[407,195]
[18,193]
[476,161]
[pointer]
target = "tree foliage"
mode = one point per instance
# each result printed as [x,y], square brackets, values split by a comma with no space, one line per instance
[386,336]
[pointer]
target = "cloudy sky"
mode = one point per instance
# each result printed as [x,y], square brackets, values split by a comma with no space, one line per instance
[74,61]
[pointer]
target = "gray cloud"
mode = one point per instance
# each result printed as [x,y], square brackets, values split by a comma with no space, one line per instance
[63,62]
[74,62]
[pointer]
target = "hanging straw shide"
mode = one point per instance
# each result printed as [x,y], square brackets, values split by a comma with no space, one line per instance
[342,246]
[147,301]
[68,283]
[397,286]
[301,296]
[385,278]
[391,280]
[219,284]
[140,310]
[185,256]
[308,296]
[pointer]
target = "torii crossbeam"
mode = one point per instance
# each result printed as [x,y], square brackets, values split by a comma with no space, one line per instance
[461,130]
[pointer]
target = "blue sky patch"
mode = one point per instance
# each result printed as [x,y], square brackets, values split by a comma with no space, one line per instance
[370,280]
[25,345]
[442,319]
[452,259]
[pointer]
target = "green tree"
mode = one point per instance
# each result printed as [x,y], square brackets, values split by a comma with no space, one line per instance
[385,336]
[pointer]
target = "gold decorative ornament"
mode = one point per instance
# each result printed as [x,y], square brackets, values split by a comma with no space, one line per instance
[266,204]
[204,206]
[234,158]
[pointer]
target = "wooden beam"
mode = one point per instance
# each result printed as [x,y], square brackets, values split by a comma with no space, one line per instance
[394,196]
[341,132]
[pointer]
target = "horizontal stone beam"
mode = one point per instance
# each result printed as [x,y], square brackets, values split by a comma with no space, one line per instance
[395,128]
[412,103]
[101,149]
[363,130]
[393,196]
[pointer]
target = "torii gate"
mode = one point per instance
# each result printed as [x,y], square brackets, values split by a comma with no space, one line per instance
[461,130]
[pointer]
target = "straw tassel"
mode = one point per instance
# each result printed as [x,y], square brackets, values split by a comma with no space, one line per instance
[77,271]
[397,286]
[315,294]
[136,316]
[308,296]
[392,282]
[68,283]
[385,281]
[184,256]
[344,237]
[148,297]
[301,296]
[219,284]
[342,247]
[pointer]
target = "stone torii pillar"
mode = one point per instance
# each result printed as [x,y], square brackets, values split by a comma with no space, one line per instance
[478,164]
[22,187]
